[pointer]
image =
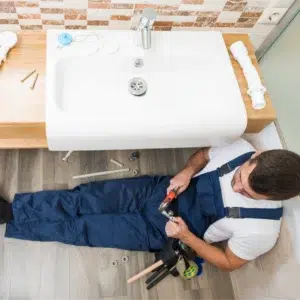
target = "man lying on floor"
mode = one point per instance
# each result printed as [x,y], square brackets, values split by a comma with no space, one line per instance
[235,197]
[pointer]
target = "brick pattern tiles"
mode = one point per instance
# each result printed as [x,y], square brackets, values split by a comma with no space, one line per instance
[97,14]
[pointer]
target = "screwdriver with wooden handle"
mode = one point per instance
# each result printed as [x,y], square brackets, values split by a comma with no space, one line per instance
[169,198]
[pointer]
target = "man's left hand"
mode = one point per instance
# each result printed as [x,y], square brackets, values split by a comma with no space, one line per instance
[177,229]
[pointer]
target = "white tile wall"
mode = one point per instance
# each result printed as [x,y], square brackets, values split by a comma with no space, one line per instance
[229,16]
[28,10]
[51,4]
[30,21]
[54,17]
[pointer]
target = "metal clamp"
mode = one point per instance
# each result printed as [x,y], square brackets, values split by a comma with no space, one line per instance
[224,169]
[233,212]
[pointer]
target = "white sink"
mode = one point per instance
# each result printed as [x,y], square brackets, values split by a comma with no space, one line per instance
[192,97]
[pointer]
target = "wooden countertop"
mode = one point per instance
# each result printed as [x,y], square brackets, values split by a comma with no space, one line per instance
[22,118]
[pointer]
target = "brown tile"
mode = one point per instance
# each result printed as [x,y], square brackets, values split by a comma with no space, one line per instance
[208,14]
[75,17]
[7,7]
[142,6]
[251,14]
[75,14]
[98,5]
[73,11]
[207,22]
[162,28]
[183,24]
[31,27]
[167,7]
[121,6]
[244,25]
[98,23]
[120,18]
[198,24]
[53,22]
[234,5]
[9,21]
[224,24]
[163,23]
[246,20]
[26,4]
[29,16]
[192,1]
[51,10]
[75,27]
[187,13]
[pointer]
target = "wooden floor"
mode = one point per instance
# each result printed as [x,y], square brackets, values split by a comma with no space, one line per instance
[31,270]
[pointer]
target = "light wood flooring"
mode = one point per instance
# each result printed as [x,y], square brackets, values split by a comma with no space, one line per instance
[32,270]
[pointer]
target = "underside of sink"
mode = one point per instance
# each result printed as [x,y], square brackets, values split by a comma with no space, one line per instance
[191,98]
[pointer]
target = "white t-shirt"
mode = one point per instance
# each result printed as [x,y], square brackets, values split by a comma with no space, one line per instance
[247,238]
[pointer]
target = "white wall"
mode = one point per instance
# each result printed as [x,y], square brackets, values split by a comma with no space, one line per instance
[281,69]
[275,275]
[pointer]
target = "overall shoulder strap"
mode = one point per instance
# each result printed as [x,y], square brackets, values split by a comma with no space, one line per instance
[231,165]
[253,213]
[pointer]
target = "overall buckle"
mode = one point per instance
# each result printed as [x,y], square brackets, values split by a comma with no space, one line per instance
[224,169]
[234,212]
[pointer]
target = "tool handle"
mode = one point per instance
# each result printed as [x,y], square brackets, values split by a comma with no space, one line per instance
[145,272]
[156,273]
[170,197]
[158,279]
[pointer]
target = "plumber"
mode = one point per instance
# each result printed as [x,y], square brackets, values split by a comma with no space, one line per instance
[231,194]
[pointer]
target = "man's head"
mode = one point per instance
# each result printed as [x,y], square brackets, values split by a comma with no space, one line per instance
[273,174]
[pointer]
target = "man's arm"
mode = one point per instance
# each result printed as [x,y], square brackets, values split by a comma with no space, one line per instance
[225,260]
[194,164]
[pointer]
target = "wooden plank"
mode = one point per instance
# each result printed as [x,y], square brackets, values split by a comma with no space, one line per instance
[257,119]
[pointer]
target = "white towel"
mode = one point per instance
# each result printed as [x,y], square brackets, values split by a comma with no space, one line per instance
[255,88]
[8,40]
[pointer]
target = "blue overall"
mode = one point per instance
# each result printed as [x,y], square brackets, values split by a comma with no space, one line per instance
[123,213]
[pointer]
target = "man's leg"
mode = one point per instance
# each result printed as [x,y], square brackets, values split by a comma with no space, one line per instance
[104,197]
[127,231]
[107,214]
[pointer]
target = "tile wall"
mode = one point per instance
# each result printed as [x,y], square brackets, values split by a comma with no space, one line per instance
[234,16]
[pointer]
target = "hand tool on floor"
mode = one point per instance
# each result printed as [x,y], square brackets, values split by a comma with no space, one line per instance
[166,263]
[169,198]
[146,271]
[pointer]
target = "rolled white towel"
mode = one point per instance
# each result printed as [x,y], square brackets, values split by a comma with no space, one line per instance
[255,88]
[8,40]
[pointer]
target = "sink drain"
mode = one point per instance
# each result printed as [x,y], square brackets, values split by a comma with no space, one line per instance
[137,86]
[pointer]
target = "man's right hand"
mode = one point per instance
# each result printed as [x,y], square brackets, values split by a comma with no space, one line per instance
[180,181]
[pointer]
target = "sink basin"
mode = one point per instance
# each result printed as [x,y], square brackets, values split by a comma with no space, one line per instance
[189,94]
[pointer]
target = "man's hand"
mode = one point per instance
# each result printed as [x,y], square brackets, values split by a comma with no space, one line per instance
[180,181]
[177,229]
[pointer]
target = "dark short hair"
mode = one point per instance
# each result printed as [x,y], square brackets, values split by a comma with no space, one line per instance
[276,175]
